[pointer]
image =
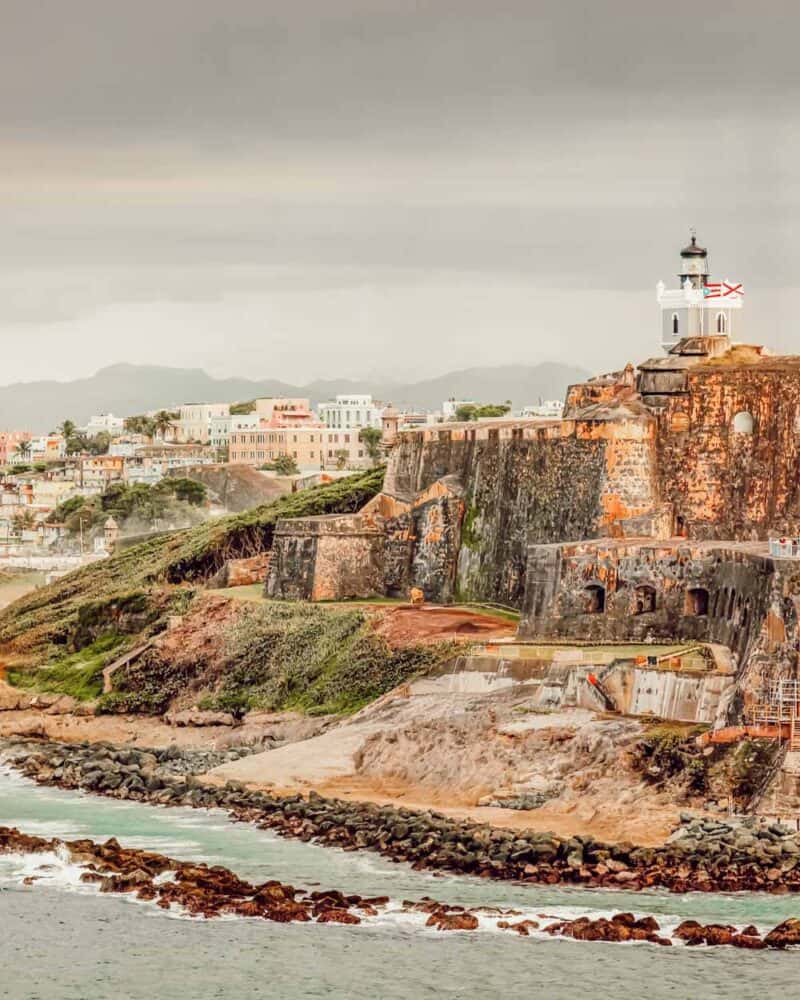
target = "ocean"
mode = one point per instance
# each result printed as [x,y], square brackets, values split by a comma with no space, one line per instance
[62,940]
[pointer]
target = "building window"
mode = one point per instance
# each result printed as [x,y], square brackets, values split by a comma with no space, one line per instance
[644,600]
[594,599]
[696,602]
[722,323]
[675,324]
[743,423]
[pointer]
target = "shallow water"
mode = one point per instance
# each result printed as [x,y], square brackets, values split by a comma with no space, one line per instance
[61,939]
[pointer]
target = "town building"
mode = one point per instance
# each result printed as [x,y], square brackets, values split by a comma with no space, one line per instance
[349,412]
[105,423]
[97,472]
[223,426]
[549,409]
[194,421]
[9,442]
[312,446]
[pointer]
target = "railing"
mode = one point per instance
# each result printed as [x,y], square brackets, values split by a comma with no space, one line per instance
[784,548]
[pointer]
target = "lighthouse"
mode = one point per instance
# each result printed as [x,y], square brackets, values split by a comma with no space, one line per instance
[698,307]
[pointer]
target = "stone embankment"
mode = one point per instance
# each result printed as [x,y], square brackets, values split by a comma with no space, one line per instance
[702,855]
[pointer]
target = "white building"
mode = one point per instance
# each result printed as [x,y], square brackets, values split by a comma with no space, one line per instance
[698,307]
[105,422]
[223,426]
[194,421]
[549,408]
[350,413]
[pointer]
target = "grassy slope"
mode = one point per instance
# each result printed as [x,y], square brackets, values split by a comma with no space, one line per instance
[43,625]
[279,655]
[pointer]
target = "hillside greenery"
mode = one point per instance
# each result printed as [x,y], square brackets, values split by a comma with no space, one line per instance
[278,656]
[44,624]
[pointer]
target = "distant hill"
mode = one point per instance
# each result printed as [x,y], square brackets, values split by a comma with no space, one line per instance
[126,389]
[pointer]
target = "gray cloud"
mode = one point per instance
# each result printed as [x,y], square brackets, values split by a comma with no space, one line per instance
[328,185]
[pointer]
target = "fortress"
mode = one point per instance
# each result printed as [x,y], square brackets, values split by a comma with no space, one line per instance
[661,506]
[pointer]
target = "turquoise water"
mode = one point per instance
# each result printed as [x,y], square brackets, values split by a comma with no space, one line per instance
[63,940]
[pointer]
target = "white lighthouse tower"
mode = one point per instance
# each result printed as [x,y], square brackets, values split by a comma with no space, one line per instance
[698,307]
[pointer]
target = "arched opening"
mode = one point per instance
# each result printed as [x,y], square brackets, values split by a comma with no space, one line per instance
[675,324]
[696,602]
[722,323]
[594,599]
[743,423]
[644,599]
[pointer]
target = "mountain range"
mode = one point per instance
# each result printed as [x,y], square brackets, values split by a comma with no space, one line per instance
[125,389]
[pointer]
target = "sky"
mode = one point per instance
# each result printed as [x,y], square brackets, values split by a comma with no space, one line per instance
[333,188]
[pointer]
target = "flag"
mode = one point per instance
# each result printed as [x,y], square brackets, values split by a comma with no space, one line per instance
[722,290]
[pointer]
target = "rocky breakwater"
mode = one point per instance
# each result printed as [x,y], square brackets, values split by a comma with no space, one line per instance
[208,891]
[702,855]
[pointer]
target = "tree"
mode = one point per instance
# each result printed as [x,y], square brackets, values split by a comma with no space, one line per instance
[472,411]
[67,429]
[23,520]
[164,421]
[188,490]
[23,449]
[341,455]
[140,424]
[284,465]
[371,437]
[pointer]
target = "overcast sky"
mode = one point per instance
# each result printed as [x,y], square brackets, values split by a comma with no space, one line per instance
[346,187]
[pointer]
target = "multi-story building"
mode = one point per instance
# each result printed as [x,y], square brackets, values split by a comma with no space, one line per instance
[194,421]
[222,428]
[311,446]
[151,464]
[105,422]
[46,448]
[97,472]
[282,411]
[9,441]
[348,412]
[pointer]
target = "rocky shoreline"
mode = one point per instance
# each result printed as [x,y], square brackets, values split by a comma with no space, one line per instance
[701,856]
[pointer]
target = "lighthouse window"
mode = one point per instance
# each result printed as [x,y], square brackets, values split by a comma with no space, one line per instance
[743,423]
[722,323]
[675,323]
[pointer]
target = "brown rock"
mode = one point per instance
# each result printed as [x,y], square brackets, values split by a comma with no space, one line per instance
[334,916]
[784,935]
[452,921]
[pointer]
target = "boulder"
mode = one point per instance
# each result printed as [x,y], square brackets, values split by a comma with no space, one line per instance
[784,935]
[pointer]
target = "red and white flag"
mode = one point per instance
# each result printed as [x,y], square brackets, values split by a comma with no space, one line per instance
[723,290]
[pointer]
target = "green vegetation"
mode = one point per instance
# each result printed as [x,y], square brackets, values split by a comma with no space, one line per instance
[284,465]
[79,675]
[241,409]
[669,751]
[474,411]
[751,762]
[123,502]
[371,438]
[45,621]
[281,655]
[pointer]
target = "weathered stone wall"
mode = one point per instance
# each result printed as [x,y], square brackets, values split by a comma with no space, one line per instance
[242,572]
[725,484]
[526,481]
[635,591]
[437,537]
[326,558]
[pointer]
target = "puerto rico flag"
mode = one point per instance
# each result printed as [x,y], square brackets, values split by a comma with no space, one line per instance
[723,290]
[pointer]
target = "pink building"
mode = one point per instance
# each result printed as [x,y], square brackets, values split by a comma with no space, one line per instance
[8,443]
